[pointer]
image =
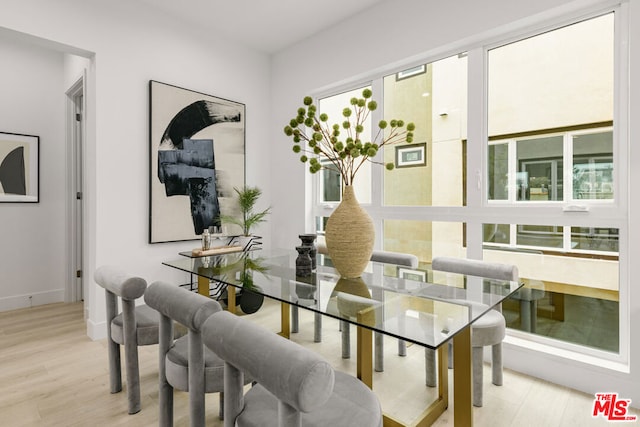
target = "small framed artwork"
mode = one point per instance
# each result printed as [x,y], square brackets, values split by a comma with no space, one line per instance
[411,155]
[19,168]
[410,274]
[410,72]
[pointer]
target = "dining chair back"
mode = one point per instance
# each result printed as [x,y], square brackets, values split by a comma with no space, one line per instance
[295,386]
[488,330]
[185,364]
[134,326]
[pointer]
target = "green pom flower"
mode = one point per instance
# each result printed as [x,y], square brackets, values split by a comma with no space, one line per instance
[323,140]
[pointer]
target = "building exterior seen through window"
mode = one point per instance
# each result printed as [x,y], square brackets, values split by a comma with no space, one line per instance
[550,142]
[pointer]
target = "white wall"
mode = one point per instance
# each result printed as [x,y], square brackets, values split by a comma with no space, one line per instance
[130,46]
[395,32]
[32,255]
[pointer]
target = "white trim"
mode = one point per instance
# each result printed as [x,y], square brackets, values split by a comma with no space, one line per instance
[16,302]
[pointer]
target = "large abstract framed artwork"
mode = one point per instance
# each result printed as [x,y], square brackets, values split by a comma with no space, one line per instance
[197,157]
[19,168]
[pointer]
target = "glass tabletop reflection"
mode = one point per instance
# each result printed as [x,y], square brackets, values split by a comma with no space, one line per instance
[422,306]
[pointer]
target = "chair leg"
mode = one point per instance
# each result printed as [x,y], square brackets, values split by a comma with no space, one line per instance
[378,352]
[165,391]
[115,373]
[294,319]
[496,363]
[430,367]
[317,327]
[221,411]
[131,356]
[402,348]
[477,376]
[346,340]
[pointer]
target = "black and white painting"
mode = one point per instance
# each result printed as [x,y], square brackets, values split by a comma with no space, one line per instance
[197,158]
[19,168]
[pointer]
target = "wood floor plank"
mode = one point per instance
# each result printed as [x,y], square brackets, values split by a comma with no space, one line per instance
[52,374]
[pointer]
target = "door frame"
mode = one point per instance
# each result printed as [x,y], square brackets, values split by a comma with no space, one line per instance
[75,288]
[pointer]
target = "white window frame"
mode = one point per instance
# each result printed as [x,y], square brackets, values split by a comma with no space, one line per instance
[479,210]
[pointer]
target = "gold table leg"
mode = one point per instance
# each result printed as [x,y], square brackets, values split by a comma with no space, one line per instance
[364,355]
[462,384]
[203,286]
[231,299]
[437,408]
[285,320]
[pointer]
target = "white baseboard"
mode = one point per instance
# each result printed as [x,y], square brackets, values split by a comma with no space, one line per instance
[16,302]
[96,331]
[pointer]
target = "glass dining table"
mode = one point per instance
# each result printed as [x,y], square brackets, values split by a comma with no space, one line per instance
[419,306]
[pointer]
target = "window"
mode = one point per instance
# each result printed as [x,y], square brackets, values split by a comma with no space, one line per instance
[540,184]
[533,168]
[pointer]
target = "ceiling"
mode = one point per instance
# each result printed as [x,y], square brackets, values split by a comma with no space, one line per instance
[264,25]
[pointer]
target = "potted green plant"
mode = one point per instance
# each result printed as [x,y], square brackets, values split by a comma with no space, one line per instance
[247,218]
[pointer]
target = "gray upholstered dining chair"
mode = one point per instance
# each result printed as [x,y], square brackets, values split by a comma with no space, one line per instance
[185,364]
[134,326]
[488,330]
[295,386]
[397,258]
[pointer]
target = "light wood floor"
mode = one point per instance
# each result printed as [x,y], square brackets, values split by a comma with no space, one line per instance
[52,374]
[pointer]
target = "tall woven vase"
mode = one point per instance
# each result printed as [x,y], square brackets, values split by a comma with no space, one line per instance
[349,235]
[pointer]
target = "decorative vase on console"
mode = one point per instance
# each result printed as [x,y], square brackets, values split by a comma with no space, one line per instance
[309,240]
[303,261]
[344,147]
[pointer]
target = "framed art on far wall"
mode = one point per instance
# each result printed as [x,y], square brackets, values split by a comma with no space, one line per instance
[411,155]
[197,158]
[19,168]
